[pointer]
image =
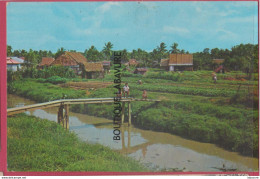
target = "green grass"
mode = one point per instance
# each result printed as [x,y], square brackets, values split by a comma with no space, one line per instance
[195,107]
[36,144]
[42,92]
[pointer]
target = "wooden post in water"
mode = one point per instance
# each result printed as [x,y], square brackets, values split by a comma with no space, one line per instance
[66,117]
[123,138]
[129,113]
[60,114]
[129,137]
[123,113]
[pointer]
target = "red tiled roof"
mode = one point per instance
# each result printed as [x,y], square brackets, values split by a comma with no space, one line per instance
[46,61]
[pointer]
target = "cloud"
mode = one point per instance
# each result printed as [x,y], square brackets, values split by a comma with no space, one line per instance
[106,7]
[226,35]
[175,30]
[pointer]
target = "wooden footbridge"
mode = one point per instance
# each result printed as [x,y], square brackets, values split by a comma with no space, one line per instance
[63,107]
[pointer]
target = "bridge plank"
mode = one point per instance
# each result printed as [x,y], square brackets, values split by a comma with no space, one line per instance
[15,110]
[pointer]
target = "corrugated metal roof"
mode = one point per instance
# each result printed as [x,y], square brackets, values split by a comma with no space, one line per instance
[21,60]
[10,61]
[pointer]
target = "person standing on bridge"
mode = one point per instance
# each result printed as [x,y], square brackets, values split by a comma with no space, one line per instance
[215,78]
[144,94]
[126,89]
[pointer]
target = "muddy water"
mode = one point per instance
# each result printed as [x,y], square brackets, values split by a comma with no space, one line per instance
[156,150]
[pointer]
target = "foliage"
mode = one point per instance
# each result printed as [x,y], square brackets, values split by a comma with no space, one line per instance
[206,125]
[36,144]
[56,80]
[42,92]
[92,54]
[61,71]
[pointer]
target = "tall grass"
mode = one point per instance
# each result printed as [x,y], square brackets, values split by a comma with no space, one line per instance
[35,144]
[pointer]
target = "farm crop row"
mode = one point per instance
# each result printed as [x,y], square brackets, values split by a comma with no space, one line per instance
[227,133]
[186,90]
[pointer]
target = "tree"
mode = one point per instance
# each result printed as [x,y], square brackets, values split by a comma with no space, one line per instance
[92,54]
[206,51]
[9,50]
[162,51]
[16,53]
[174,48]
[107,50]
[59,52]
[31,60]
[125,55]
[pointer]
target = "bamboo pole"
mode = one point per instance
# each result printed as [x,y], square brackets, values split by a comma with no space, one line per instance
[129,114]
[129,137]
[123,113]
[66,116]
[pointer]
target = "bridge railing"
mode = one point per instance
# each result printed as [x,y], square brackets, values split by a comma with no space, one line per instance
[16,110]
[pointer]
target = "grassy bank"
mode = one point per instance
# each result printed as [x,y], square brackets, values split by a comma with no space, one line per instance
[35,144]
[225,113]
[42,92]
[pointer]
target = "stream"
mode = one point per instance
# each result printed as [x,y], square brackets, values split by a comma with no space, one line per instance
[156,150]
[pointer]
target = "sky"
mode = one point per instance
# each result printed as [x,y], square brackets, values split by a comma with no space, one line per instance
[131,25]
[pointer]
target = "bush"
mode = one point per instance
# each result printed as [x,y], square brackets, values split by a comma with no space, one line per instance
[56,80]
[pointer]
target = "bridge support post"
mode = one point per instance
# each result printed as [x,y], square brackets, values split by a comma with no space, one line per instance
[60,114]
[129,114]
[63,115]
[66,116]
[123,138]
[123,113]
[129,137]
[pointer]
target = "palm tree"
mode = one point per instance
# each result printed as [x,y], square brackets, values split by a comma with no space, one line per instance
[174,48]
[107,50]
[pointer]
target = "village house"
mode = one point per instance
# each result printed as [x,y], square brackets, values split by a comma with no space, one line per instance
[132,62]
[178,62]
[94,70]
[18,59]
[46,62]
[76,61]
[164,64]
[140,71]
[13,65]
[106,66]
[218,66]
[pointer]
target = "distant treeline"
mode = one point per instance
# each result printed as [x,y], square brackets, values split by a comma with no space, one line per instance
[243,57]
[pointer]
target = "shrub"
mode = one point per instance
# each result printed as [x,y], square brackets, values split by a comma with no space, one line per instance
[56,80]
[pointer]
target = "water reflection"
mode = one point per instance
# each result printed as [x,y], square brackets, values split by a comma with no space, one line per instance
[157,150]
